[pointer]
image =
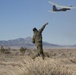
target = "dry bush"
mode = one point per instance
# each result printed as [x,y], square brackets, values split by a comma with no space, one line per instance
[25,65]
[22,50]
[49,66]
[45,67]
[2,50]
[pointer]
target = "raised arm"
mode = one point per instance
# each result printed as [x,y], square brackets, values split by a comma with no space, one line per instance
[42,28]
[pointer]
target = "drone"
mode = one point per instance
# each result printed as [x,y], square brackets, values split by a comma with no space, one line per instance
[62,8]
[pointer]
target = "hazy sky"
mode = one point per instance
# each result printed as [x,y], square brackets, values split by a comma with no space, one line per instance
[19,17]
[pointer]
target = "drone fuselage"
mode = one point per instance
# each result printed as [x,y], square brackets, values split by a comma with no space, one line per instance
[62,9]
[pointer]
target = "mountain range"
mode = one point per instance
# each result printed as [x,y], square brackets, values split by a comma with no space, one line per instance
[25,42]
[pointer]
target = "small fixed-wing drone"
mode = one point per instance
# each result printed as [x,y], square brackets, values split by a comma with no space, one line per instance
[62,8]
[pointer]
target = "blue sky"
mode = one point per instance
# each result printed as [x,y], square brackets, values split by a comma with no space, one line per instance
[19,17]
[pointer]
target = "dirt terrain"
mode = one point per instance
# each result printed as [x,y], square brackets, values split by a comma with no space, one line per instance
[56,62]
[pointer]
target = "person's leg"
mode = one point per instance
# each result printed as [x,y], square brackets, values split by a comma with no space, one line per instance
[41,50]
[42,53]
[38,51]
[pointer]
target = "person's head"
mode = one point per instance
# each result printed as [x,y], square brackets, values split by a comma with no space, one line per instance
[34,29]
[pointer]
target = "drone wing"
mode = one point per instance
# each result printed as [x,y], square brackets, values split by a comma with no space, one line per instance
[60,5]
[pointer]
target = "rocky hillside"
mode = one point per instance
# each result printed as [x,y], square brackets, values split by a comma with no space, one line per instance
[24,42]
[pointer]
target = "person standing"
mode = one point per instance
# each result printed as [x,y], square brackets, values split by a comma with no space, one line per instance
[37,39]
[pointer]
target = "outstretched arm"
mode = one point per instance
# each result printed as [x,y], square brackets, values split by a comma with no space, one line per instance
[42,28]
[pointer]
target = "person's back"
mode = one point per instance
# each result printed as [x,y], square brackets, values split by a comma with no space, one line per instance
[37,36]
[37,39]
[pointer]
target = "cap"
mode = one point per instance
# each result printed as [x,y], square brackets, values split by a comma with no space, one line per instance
[34,29]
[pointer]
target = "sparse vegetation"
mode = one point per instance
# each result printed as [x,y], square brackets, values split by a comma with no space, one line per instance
[22,50]
[2,49]
[47,67]
[59,63]
[5,51]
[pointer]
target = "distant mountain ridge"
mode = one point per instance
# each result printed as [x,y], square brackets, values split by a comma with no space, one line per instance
[24,42]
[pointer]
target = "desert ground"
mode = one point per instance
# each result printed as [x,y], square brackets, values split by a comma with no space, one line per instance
[56,62]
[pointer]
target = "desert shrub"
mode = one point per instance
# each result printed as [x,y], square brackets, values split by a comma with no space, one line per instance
[22,50]
[47,54]
[45,68]
[2,49]
[7,51]
[41,70]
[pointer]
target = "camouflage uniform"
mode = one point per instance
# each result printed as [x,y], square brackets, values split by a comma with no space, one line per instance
[37,39]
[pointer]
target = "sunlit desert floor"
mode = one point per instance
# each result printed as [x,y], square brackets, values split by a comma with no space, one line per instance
[56,62]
